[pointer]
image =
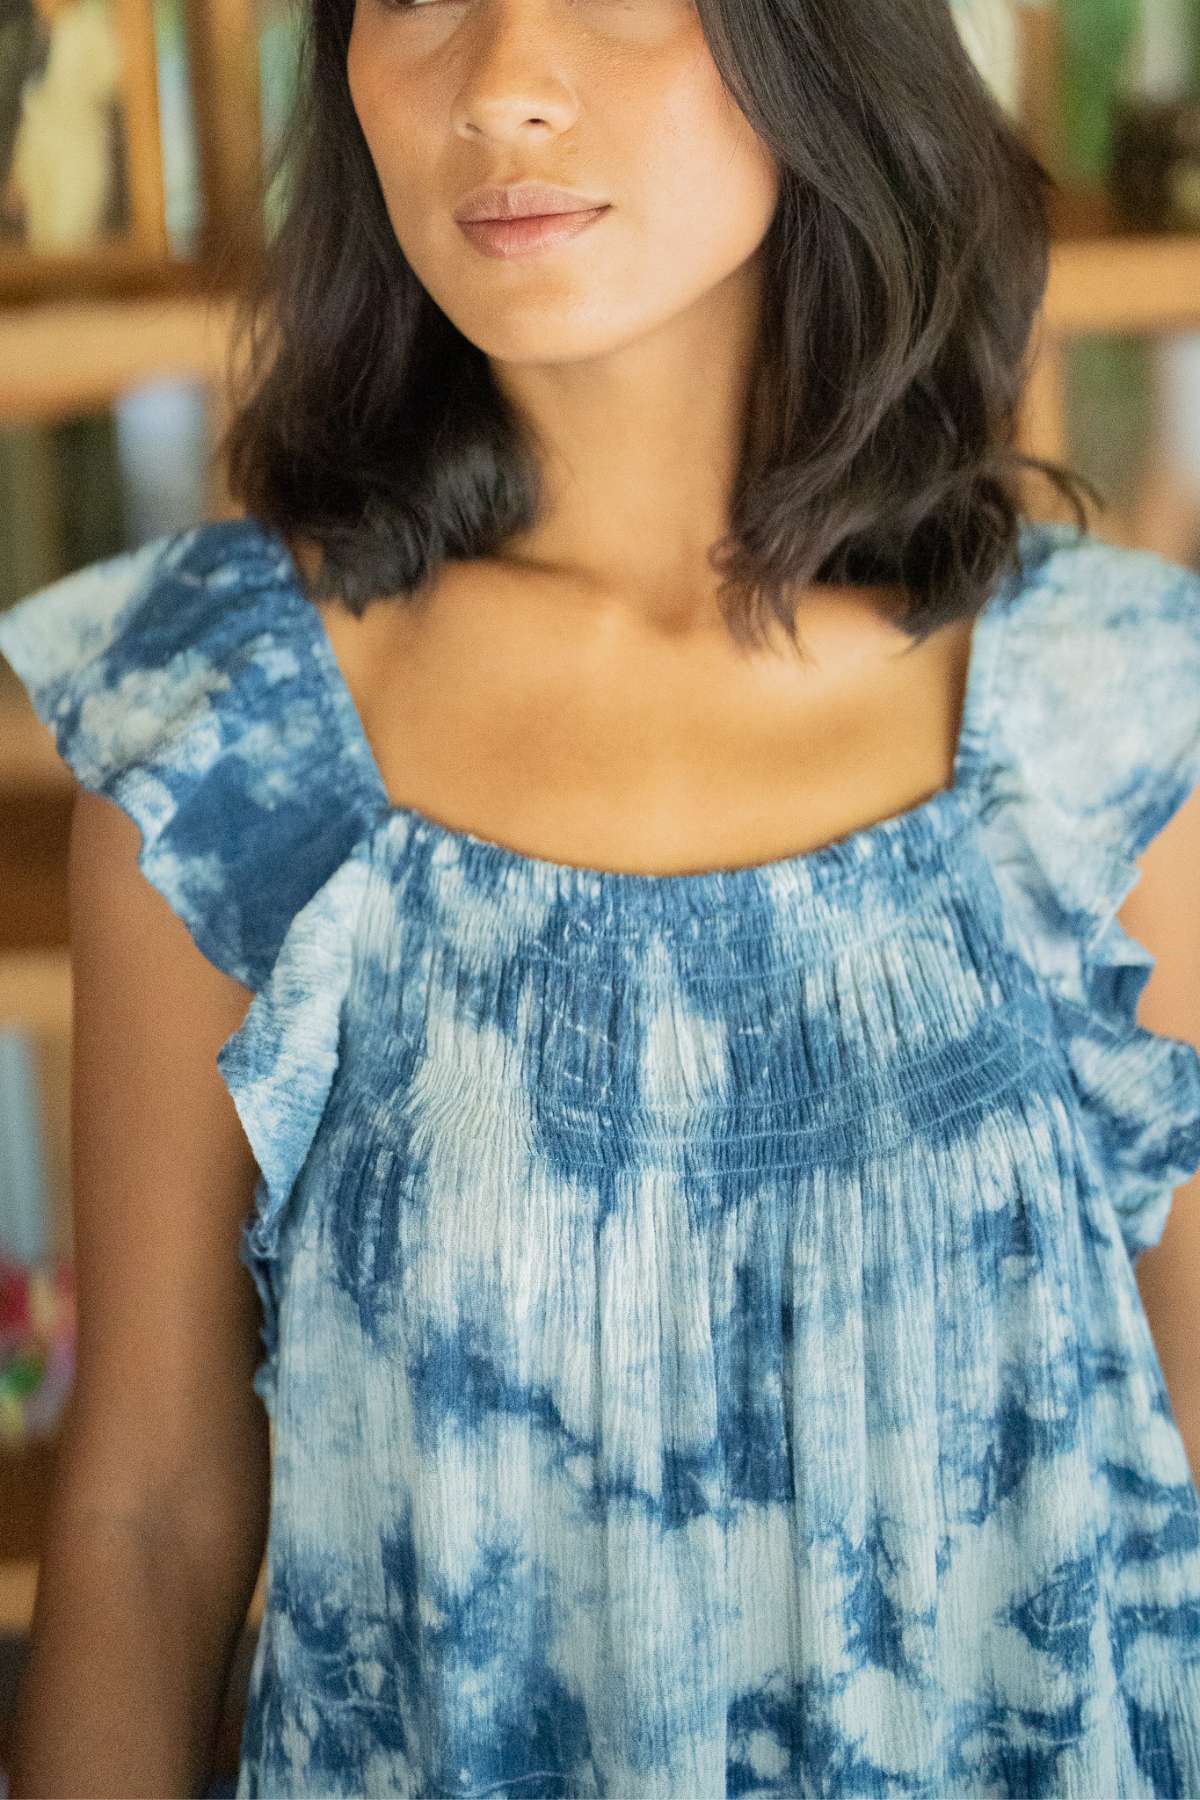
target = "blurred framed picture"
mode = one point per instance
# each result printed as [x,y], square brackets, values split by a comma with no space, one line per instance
[81,178]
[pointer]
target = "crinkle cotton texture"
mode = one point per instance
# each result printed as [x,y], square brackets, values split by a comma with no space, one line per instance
[700,1327]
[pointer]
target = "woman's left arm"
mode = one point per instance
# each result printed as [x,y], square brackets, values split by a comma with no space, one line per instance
[1163,913]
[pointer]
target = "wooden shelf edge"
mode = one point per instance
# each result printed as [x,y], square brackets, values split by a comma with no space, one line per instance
[65,357]
[1124,284]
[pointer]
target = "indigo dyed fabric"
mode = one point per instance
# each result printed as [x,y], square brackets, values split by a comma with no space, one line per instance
[700,1328]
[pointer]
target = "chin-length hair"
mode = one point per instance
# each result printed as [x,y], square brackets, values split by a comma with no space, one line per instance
[903,272]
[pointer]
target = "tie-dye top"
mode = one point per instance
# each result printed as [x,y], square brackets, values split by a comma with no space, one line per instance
[700,1330]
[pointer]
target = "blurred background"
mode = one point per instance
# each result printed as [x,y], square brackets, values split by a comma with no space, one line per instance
[134,137]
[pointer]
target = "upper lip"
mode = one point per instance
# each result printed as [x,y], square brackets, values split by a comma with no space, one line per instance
[522,200]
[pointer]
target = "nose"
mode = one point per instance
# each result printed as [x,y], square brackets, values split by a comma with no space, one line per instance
[510,88]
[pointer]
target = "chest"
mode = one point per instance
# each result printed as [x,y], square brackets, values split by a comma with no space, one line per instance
[607,747]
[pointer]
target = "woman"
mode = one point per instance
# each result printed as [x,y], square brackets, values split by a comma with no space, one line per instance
[647,814]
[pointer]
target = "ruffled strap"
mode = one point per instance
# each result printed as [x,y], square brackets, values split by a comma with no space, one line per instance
[1095,728]
[191,681]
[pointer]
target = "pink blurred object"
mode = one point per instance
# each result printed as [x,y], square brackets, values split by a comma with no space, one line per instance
[37,1347]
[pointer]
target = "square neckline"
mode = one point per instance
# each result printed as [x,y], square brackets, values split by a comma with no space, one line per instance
[908,838]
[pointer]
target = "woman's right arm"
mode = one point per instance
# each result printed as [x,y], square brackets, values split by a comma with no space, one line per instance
[158,1519]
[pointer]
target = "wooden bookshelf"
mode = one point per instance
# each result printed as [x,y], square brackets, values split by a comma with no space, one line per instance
[1102,278]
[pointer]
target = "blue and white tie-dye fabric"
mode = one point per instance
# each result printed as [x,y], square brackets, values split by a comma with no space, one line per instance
[701,1334]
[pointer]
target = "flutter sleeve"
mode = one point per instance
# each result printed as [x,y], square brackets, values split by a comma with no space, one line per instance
[1095,722]
[185,681]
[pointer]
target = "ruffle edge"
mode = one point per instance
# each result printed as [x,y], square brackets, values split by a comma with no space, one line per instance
[1139,1089]
[279,1066]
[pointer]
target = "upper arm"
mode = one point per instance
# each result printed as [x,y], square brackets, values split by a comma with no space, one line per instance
[162,1419]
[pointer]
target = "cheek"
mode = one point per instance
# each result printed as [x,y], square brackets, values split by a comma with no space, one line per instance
[705,185]
[386,106]
[389,119]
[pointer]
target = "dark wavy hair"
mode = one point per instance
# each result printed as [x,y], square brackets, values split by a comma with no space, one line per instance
[904,269]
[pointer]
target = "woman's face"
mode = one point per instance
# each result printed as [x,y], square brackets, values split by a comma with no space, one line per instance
[618,99]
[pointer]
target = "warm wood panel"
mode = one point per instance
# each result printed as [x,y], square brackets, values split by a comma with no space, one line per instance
[71,357]
[224,43]
[1124,284]
[25,1481]
[35,831]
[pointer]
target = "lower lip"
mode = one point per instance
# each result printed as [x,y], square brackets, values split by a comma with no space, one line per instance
[522,237]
